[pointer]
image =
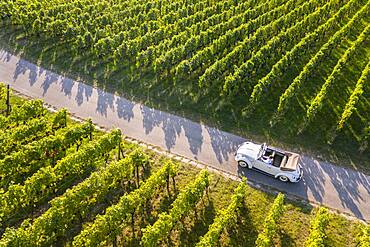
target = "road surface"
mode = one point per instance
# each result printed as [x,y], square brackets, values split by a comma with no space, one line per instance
[338,188]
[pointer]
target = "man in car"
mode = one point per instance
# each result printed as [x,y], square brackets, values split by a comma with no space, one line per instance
[268,160]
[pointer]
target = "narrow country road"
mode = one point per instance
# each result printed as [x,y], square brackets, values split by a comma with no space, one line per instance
[336,187]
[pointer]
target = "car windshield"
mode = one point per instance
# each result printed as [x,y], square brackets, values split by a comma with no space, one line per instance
[262,151]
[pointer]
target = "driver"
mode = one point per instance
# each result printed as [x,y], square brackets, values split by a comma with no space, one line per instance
[268,160]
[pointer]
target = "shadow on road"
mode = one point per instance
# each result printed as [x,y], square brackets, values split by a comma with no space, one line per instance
[321,182]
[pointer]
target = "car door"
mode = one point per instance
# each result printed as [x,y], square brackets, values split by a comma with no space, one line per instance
[274,170]
[262,166]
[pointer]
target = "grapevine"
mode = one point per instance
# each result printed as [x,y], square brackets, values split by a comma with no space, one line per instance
[46,180]
[184,202]
[107,226]
[224,218]
[318,236]
[317,102]
[317,59]
[355,96]
[74,204]
[270,227]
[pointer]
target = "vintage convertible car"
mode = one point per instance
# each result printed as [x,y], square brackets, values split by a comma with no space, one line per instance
[271,161]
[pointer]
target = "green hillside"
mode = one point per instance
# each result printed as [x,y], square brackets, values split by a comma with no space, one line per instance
[294,73]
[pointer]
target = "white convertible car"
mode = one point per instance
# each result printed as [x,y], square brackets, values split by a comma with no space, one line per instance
[271,161]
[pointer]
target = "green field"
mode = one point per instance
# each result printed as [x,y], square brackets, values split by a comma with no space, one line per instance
[293,73]
[65,184]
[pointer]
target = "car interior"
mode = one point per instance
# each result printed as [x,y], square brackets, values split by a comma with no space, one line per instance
[277,156]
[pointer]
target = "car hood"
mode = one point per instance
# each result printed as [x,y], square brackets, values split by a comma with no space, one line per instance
[249,149]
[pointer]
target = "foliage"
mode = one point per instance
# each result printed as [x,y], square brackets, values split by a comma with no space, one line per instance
[270,226]
[355,96]
[317,102]
[19,164]
[319,58]
[34,129]
[230,48]
[47,179]
[107,226]
[308,41]
[184,202]
[3,91]
[225,217]
[73,205]
[30,109]
[318,236]
[66,210]
[364,237]
[247,49]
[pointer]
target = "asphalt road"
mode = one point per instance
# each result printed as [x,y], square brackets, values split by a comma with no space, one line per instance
[324,183]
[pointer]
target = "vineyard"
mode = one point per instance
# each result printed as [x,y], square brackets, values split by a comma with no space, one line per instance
[65,183]
[299,68]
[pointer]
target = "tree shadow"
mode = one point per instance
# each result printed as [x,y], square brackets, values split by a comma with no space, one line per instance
[23,67]
[50,78]
[172,127]
[105,100]
[198,224]
[223,143]
[336,187]
[124,108]
[318,177]
[84,92]
[243,232]
[286,240]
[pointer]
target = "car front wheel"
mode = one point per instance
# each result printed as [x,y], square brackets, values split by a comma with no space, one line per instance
[283,179]
[242,163]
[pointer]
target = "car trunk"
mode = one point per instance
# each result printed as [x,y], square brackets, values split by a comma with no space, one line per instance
[289,162]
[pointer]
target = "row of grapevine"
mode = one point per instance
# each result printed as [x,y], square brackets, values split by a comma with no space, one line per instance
[25,112]
[163,12]
[290,57]
[225,217]
[232,16]
[33,130]
[355,96]
[95,21]
[185,201]
[317,235]
[48,180]
[150,22]
[171,56]
[270,226]
[317,102]
[317,60]
[74,205]
[133,47]
[264,12]
[364,237]
[231,48]
[51,17]
[107,226]
[5,93]
[273,49]
[133,26]
[58,221]
[251,42]
[18,165]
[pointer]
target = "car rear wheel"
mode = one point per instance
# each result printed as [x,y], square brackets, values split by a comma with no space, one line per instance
[242,163]
[283,179]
